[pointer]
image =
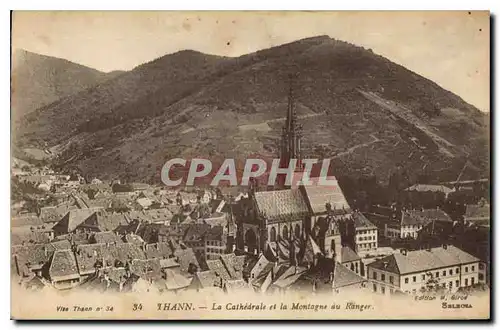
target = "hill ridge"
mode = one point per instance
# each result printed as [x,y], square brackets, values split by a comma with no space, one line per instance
[39,80]
[189,103]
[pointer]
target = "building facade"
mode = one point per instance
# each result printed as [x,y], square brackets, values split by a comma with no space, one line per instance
[366,238]
[412,221]
[413,272]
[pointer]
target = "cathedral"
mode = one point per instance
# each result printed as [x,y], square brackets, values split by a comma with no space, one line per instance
[280,221]
[291,135]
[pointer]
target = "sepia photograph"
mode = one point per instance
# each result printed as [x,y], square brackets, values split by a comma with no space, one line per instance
[250,165]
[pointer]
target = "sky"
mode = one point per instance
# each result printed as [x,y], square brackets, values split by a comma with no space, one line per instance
[450,48]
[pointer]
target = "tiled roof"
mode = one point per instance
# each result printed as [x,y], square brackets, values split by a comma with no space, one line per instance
[100,186]
[219,205]
[237,286]
[63,266]
[180,218]
[217,219]
[146,268]
[29,219]
[430,187]
[315,248]
[384,211]
[72,219]
[107,237]
[176,281]
[215,234]
[290,276]
[139,186]
[33,255]
[169,263]
[342,277]
[134,239]
[259,267]
[55,213]
[319,195]
[218,268]
[132,227]
[21,235]
[113,255]
[36,282]
[60,245]
[423,217]
[233,264]
[104,221]
[103,201]
[78,238]
[144,202]
[148,194]
[285,204]
[271,251]
[283,251]
[157,215]
[239,262]
[159,251]
[207,279]
[185,258]
[196,232]
[149,231]
[131,282]
[477,212]
[423,260]
[87,256]
[125,252]
[262,282]
[99,283]
[361,222]
[173,208]
[348,255]
[115,274]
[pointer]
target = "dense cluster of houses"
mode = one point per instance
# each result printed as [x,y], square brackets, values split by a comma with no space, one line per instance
[136,237]
[67,232]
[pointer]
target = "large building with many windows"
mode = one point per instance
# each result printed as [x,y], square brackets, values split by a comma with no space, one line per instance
[411,221]
[366,233]
[445,267]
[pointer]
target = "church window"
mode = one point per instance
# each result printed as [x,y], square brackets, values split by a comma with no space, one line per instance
[272,234]
[285,232]
[297,231]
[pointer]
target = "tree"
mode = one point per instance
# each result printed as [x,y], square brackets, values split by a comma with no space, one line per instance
[431,284]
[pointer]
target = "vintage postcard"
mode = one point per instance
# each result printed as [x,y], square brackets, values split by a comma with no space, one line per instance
[250,165]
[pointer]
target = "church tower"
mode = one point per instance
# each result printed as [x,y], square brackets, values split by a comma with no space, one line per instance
[292,133]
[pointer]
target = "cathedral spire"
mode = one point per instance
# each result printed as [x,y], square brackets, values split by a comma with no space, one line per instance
[292,132]
[291,118]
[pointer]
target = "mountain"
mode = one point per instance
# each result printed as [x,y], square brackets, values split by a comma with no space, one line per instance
[370,115]
[38,80]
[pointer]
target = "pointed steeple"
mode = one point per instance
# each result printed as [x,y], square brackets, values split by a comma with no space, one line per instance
[292,132]
[291,118]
